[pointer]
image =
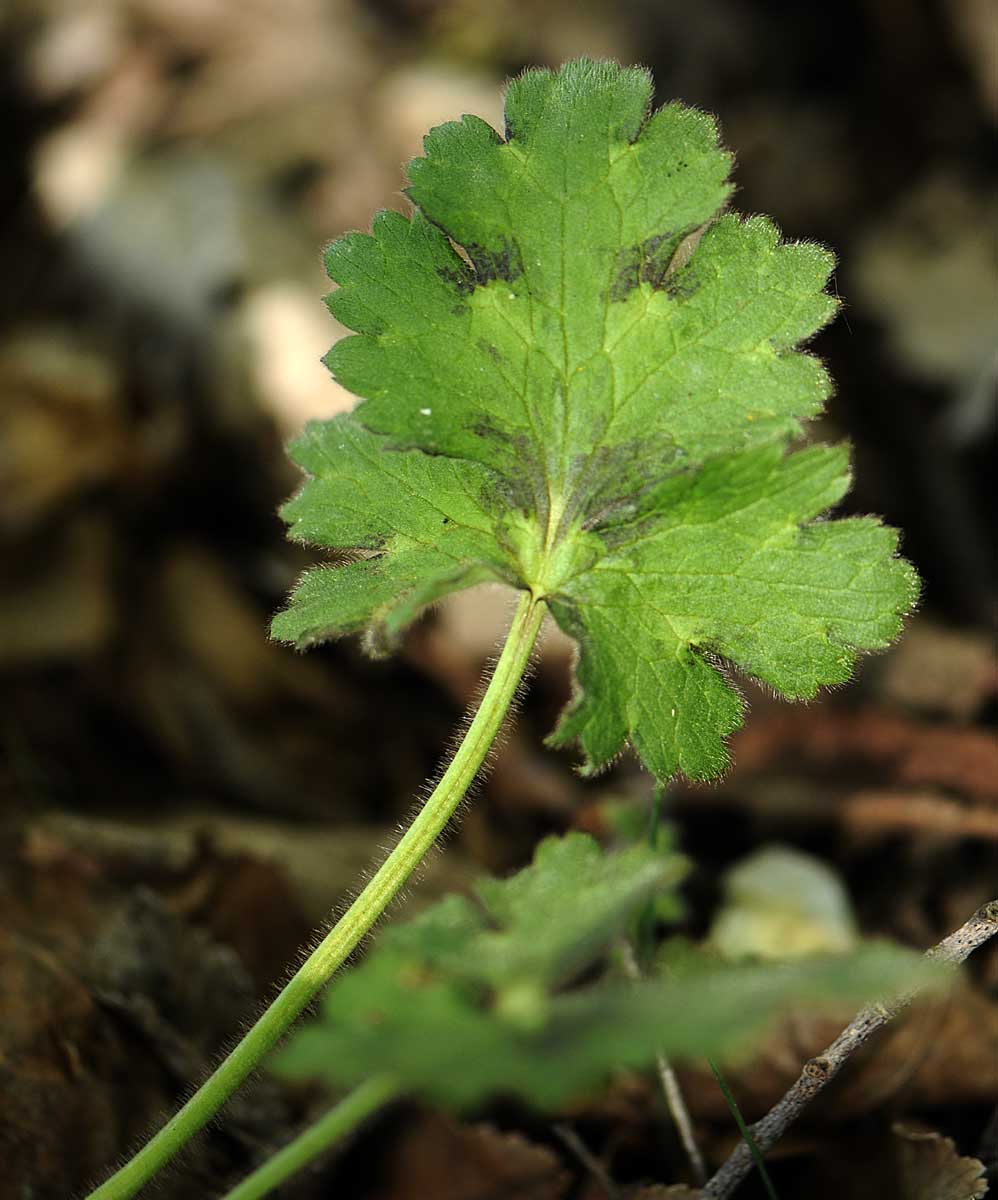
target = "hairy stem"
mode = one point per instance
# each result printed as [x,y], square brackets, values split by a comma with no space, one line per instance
[820,1071]
[340,1120]
[355,923]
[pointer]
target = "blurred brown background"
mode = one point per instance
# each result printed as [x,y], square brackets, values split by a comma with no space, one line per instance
[173,786]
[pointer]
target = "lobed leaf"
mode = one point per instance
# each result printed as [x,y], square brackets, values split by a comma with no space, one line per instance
[465,1002]
[550,920]
[576,378]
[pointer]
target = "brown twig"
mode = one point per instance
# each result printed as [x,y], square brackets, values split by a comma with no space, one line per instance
[821,1070]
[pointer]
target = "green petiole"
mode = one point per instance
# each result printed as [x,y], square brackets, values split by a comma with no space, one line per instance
[341,1119]
[355,923]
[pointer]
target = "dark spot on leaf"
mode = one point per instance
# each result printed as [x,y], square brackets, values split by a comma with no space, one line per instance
[461,278]
[615,480]
[489,264]
[680,285]
[642,124]
[646,262]
[484,428]
[525,486]
[490,350]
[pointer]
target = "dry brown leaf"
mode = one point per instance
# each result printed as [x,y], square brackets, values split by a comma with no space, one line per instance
[929,1167]
[881,813]
[940,1053]
[61,425]
[912,752]
[936,669]
[436,1156]
[114,998]
[60,606]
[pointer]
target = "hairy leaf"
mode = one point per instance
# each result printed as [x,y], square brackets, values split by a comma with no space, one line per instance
[561,391]
[466,1001]
[551,919]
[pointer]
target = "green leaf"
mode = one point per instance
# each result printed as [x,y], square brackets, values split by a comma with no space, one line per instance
[560,391]
[466,1002]
[716,564]
[427,516]
[550,920]
[558,914]
[390,1017]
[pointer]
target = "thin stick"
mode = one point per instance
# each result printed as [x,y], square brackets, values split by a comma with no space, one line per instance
[589,1160]
[667,1078]
[355,923]
[676,1103]
[821,1070]
[671,1090]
